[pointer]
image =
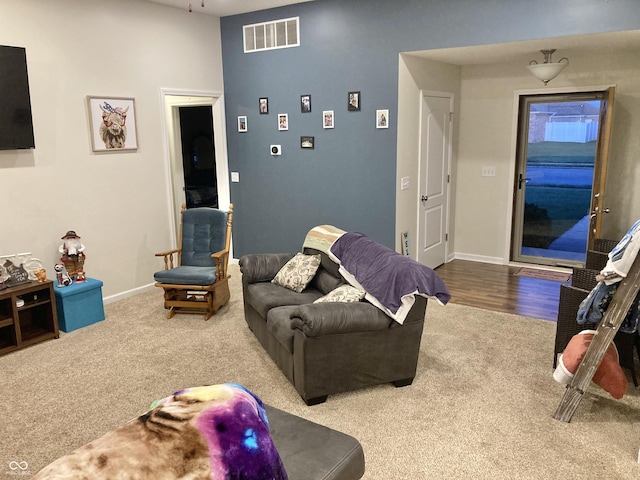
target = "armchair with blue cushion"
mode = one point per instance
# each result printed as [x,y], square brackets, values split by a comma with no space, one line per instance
[198,282]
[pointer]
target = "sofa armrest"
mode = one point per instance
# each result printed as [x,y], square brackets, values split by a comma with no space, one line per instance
[262,267]
[328,318]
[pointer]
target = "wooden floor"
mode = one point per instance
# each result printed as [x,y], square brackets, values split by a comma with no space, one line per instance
[495,287]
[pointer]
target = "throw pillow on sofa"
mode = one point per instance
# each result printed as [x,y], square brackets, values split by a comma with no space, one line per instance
[297,272]
[344,293]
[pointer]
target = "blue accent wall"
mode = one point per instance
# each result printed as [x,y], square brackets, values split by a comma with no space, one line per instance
[348,179]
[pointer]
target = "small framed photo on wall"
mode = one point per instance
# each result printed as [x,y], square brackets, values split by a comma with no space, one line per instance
[283,121]
[307,142]
[327,119]
[305,103]
[263,105]
[382,118]
[242,124]
[353,102]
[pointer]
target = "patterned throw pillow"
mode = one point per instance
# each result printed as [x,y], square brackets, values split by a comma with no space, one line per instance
[344,293]
[297,272]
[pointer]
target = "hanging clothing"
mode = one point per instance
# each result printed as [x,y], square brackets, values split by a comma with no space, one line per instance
[620,259]
[622,256]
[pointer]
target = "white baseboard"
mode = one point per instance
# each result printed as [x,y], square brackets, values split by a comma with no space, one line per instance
[129,293]
[479,258]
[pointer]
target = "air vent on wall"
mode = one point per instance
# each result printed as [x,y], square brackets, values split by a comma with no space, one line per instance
[270,35]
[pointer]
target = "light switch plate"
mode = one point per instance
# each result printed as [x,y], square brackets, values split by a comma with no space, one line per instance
[488,171]
[235,177]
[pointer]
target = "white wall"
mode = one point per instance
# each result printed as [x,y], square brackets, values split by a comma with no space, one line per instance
[117,202]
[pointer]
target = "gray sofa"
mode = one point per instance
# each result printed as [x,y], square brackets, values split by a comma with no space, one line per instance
[327,348]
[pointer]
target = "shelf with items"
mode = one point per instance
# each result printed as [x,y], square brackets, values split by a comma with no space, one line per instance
[27,315]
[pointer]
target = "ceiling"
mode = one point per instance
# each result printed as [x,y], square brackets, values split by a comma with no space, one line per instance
[600,43]
[223,8]
[597,43]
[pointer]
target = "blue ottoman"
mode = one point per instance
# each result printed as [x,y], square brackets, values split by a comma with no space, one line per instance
[79,304]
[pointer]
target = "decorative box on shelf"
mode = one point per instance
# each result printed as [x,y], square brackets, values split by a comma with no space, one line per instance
[79,304]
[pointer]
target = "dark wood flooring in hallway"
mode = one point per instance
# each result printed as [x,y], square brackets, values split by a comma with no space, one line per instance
[495,287]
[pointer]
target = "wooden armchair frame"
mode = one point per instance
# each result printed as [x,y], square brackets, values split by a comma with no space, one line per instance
[205,299]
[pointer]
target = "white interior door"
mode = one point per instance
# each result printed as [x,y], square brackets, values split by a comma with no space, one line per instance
[435,155]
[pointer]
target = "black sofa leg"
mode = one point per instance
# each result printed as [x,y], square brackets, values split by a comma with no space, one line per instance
[315,401]
[403,383]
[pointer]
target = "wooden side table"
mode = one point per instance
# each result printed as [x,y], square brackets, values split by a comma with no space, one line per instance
[34,321]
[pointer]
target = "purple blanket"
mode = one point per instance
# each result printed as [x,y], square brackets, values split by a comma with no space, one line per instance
[390,279]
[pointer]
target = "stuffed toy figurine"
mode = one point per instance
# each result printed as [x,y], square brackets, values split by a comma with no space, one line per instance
[41,275]
[72,251]
[64,280]
[609,374]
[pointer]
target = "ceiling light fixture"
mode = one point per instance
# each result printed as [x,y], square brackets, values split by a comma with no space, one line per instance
[548,70]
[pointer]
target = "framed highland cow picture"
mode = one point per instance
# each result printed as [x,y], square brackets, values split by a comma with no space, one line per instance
[112,121]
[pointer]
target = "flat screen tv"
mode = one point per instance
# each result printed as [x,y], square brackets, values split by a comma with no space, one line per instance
[16,127]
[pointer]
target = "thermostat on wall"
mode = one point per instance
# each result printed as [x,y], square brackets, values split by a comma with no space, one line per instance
[276,150]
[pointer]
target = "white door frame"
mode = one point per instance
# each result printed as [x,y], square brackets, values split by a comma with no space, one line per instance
[170,100]
[450,96]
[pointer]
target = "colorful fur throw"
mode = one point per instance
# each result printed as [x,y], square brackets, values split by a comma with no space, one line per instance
[202,433]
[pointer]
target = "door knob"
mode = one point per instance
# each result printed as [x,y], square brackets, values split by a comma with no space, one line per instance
[424,198]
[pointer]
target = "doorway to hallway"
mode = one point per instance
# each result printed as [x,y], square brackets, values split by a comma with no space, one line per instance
[198,156]
[196,152]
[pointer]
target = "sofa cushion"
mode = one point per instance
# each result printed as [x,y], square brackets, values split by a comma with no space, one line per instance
[264,296]
[325,281]
[279,325]
[297,272]
[344,293]
[328,277]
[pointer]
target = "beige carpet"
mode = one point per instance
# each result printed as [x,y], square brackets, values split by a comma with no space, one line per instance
[481,406]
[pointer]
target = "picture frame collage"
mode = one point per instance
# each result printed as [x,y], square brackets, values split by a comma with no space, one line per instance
[354,104]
